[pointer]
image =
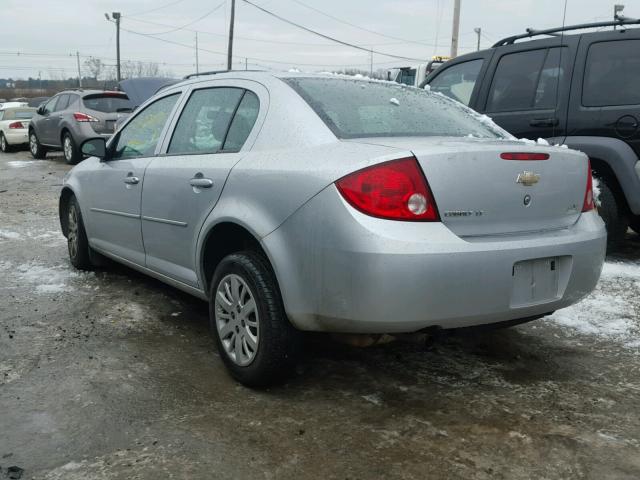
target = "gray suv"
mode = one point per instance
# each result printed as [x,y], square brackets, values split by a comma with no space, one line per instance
[71,117]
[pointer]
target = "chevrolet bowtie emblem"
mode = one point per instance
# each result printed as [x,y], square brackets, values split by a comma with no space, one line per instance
[528,178]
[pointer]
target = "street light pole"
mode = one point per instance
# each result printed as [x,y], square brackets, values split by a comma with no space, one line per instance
[478,31]
[231,22]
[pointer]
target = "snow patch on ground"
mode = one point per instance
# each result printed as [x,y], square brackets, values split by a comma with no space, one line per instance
[606,313]
[9,235]
[44,279]
[20,163]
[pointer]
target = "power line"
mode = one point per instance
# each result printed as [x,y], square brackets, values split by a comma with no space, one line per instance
[194,21]
[402,40]
[347,44]
[156,9]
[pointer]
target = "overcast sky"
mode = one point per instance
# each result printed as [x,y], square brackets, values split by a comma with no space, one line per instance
[47,32]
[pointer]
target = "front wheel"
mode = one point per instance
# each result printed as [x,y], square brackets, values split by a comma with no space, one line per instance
[70,150]
[77,243]
[37,150]
[255,340]
[4,145]
[613,211]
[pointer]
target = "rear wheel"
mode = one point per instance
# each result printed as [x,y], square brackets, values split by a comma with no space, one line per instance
[36,149]
[613,211]
[77,243]
[4,145]
[255,340]
[70,150]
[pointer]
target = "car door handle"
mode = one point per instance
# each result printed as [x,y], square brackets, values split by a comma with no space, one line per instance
[131,180]
[201,182]
[544,122]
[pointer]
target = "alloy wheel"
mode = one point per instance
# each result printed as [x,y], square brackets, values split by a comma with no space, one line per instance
[3,143]
[68,148]
[33,143]
[72,233]
[236,318]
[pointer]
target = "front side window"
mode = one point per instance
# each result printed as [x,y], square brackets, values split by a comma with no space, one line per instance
[458,81]
[515,81]
[205,120]
[612,74]
[357,108]
[51,105]
[63,101]
[141,135]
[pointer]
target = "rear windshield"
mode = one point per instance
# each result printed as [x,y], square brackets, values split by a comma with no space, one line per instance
[108,103]
[24,114]
[357,108]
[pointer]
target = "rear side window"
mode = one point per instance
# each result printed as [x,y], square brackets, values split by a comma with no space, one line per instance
[204,122]
[107,103]
[612,74]
[458,81]
[356,108]
[242,123]
[515,81]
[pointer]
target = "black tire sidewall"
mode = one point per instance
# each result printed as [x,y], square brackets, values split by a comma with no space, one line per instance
[614,214]
[4,145]
[82,259]
[40,151]
[274,357]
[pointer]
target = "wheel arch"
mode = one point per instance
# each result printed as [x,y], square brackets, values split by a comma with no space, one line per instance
[63,204]
[221,239]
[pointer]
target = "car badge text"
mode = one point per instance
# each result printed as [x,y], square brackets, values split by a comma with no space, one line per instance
[528,178]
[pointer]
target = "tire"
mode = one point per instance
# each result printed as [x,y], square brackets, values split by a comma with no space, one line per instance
[614,212]
[258,346]
[4,145]
[37,150]
[77,243]
[70,149]
[635,223]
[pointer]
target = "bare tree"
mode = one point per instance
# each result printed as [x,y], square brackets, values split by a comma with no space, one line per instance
[95,67]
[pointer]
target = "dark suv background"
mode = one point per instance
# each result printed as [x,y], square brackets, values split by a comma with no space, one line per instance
[73,116]
[580,90]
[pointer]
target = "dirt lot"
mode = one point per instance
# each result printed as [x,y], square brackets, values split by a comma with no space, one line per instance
[112,375]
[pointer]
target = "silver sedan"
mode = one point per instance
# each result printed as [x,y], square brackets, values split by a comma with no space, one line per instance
[321,203]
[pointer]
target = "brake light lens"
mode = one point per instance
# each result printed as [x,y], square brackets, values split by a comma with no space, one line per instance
[395,190]
[524,156]
[589,203]
[83,117]
[16,125]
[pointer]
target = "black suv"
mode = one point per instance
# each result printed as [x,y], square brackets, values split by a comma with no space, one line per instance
[580,90]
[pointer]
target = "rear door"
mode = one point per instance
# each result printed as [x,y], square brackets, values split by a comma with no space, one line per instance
[607,100]
[116,185]
[526,89]
[181,187]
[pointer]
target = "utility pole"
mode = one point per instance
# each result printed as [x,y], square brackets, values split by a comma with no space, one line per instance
[79,72]
[231,22]
[246,63]
[371,69]
[197,62]
[478,31]
[456,29]
[617,9]
[116,19]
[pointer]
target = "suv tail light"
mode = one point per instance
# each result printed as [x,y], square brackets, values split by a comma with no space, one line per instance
[589,203]
[16,125]
[395,190]
[83,117]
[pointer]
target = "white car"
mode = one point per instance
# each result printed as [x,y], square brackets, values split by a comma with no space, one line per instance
[14,126]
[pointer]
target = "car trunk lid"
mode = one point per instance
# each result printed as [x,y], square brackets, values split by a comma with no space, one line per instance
[479,193]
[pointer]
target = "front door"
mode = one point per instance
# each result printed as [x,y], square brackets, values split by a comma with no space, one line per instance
[182,187]
[115,194]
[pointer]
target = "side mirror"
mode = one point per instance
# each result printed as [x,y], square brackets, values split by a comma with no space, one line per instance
[95,147]
[40,110]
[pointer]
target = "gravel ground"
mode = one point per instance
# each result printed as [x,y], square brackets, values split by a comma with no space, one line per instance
[112,375]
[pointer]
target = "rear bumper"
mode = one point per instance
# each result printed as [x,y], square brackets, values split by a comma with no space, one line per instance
[16,136]
[342,271]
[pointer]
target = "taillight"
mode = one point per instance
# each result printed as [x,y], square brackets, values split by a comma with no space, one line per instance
[83,117]
[524,156]
[16,125]
[395,190]
[589,203]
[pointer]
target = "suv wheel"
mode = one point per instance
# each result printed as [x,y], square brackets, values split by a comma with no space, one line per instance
[613,211]
[77,243]
[4,146]
[254,337]
[70,150]
[36,149]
